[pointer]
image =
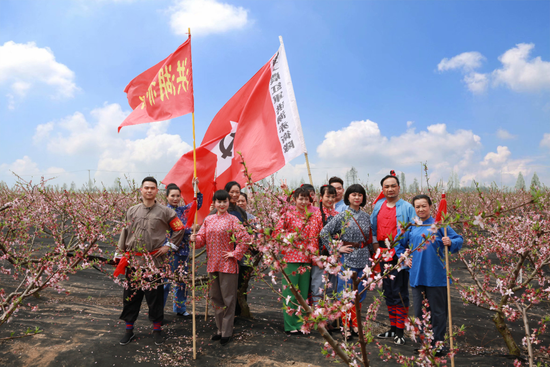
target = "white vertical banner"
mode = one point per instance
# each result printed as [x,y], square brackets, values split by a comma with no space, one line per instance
[289,127]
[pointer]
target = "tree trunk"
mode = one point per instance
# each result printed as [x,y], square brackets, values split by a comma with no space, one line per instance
[241,292]
[502,328]
[241,296]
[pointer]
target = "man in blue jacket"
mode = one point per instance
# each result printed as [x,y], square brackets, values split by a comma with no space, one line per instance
[385,218]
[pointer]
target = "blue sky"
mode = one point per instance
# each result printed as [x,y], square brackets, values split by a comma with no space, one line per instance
[380,85]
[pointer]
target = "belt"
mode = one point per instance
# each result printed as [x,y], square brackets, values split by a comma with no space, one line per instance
[354,244]
[121,267]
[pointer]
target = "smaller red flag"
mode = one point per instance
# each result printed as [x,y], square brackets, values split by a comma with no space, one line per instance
[164,91]
[191,214]
[442,208]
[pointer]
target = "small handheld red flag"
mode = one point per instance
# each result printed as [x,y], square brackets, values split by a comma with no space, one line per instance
[441,209]
[191,214]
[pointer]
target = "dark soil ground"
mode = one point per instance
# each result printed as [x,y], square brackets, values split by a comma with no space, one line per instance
[83,329]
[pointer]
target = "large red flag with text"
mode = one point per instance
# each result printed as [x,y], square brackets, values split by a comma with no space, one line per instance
[260,121]
[163,91]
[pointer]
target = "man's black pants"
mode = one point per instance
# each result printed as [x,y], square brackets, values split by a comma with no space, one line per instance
[132,299]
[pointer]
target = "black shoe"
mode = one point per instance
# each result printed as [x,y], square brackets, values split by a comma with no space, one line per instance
[185,314]
[216,337]
[441,352]
[157,337]
[128,337]
[224,341]
[294,333]
[387,335]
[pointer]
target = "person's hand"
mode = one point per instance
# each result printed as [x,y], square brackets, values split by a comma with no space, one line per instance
[195,184]
[446,241]
[228,255]
[195,227]
[117,256]
[212,206]
[284,186]
[162,251]
[345,249]
[193,238]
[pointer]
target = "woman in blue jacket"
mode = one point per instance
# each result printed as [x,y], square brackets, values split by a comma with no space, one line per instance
[428,275]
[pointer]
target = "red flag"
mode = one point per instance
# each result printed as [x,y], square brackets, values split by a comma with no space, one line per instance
[261,121]
[379,197]
[163,91]
[441,209]
[191,214]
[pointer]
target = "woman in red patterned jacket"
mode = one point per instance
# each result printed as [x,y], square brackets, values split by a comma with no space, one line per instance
[293,228]
[222,265]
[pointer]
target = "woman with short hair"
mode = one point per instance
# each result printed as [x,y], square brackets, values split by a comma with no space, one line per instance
[428,274]
[353,228]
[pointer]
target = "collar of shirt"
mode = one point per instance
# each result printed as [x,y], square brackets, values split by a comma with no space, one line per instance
[354,211]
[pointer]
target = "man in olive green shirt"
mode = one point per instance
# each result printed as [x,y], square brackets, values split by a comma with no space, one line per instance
[148,228]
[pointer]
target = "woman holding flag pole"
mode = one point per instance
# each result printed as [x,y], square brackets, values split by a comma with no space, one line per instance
[428,273]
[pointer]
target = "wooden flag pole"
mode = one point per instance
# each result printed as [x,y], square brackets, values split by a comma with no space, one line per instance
[308,170]
[449,300]
[194,232]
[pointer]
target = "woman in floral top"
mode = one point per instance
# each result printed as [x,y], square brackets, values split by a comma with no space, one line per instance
[294,226]
[222,266]
[178,258]
[353,228]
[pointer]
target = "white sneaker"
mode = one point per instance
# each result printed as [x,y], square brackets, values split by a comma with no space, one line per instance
[387,335]
[399,340]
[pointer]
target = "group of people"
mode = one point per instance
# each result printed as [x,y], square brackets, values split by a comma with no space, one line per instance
[332,224]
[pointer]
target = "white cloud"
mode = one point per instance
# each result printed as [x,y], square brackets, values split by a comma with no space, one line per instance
[24,166]
[410,123]
[42,132]
[545,142]
[97,141]
[362,142]
[517,73]
[476,82]
[505,135]
[501,156]
[497,167]
[25,67]
[206,17]
[520,74]
[466,61]
[27,169]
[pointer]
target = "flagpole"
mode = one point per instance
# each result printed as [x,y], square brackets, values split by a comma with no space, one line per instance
[194,232]
[295,111]
[449,301]
[308,170]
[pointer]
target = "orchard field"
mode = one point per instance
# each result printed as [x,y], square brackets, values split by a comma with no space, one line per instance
[59,303]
